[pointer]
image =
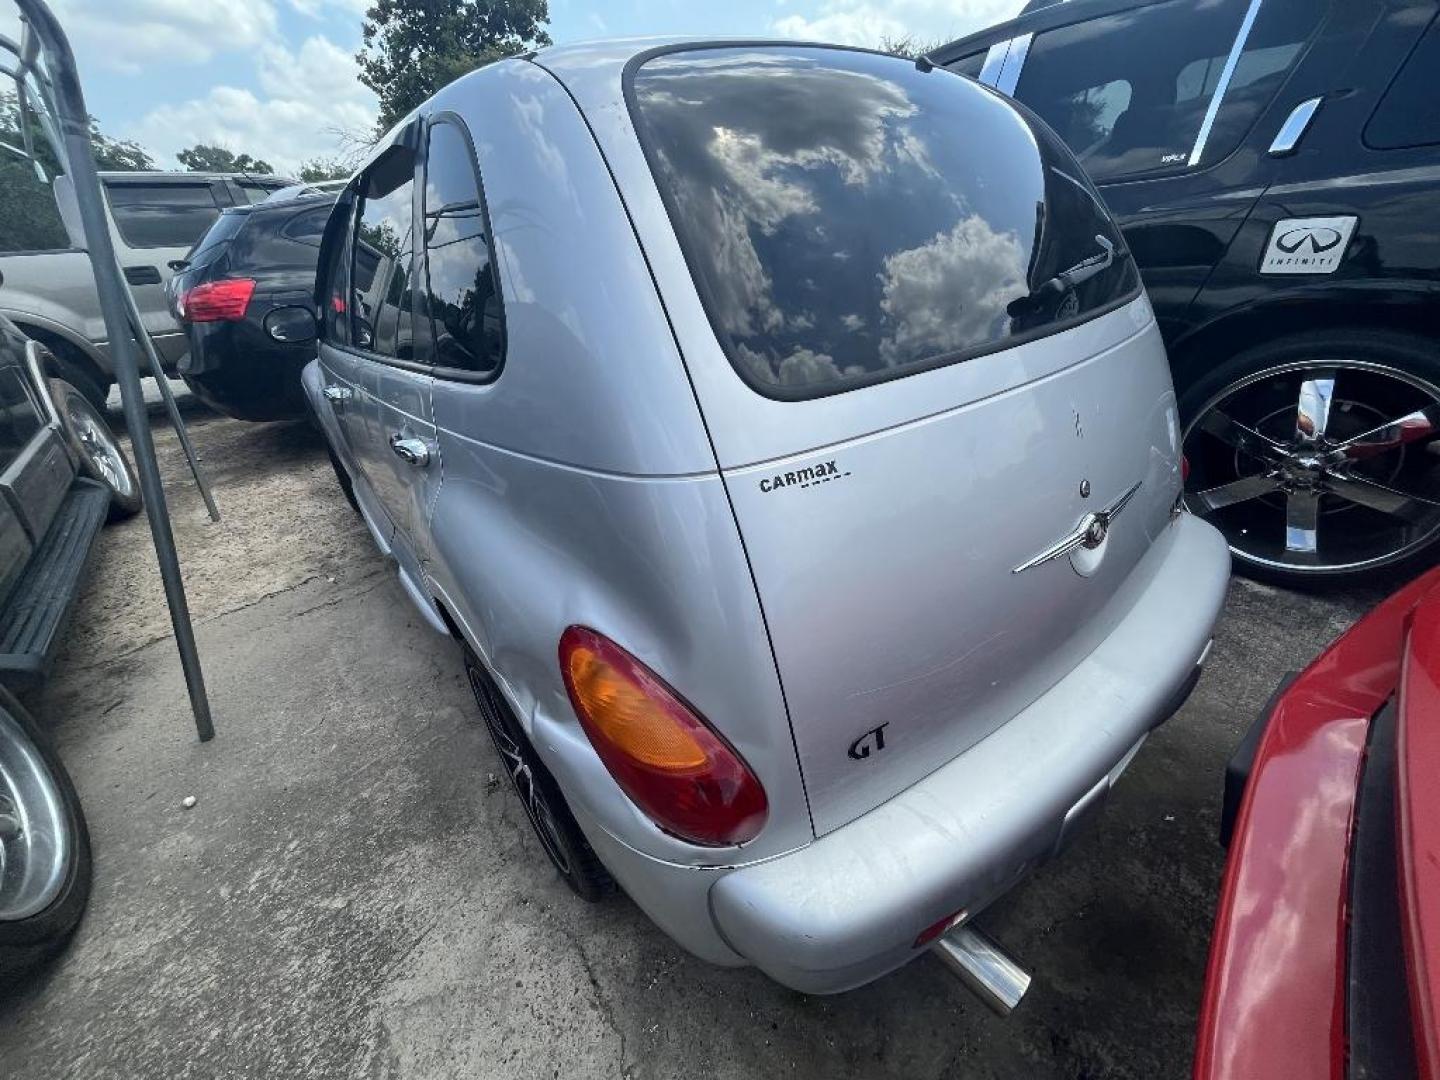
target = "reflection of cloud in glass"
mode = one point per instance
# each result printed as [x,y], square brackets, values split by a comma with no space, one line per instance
[747,177]
[951,291]
[803,367]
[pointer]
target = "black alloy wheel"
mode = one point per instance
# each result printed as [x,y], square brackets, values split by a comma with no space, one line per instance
[1321,462]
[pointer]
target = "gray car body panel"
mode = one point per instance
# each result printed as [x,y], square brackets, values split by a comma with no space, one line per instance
[609,477]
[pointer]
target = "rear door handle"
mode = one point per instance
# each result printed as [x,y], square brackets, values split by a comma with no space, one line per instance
[142,275]
[338,393]
[411,451]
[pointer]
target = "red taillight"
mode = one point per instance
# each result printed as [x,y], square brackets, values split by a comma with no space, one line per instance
[674,767]
[1184,469]
[217,301]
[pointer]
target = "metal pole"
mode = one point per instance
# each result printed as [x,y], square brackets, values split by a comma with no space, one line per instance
[174,410]
[74,121]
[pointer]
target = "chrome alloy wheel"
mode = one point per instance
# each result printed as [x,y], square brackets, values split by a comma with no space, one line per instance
[99,446]
[35,838]
[1319,467]
[522,777]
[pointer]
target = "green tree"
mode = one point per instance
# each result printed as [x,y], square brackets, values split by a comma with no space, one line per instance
[205,158]
[411,48]
[29,219]
[318,169]
[909,46]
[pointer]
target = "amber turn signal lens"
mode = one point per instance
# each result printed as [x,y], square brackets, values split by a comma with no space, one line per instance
[664,756]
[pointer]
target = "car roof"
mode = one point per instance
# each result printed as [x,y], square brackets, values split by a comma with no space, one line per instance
[1034,20]
[158,176]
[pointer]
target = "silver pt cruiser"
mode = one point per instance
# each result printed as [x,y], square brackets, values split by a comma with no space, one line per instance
[784,433]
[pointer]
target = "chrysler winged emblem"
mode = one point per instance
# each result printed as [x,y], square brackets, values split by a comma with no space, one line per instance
[1090,533]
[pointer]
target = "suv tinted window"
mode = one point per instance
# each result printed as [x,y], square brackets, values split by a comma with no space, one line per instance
[18,419]
[336,283]
[29,218]
[462,295]
[1407,115]
[1129,92]
[848,218]
[308,227]
[162,215]
[384,257]
[213,242]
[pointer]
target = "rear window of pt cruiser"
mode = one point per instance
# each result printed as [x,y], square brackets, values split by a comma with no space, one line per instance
[849,218]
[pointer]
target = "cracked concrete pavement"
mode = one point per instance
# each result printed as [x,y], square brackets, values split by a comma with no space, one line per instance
[356,893]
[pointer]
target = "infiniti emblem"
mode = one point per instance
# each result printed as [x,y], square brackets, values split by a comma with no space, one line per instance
[1321,239]
[1089,534]
[1084,489]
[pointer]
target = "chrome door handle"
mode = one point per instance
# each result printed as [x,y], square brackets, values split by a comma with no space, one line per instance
[411,451]
[338,393]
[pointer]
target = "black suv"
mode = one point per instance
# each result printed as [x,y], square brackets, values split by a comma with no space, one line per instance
[1275,166]
[236,293]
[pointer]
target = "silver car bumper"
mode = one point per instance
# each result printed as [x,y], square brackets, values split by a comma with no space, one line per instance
[847,908]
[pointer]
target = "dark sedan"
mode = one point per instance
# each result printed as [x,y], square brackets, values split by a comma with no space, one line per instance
[232,293]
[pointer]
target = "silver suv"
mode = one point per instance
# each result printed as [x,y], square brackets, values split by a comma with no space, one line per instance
[48,290]
[783,432]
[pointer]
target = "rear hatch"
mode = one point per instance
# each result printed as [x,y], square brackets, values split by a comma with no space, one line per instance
[949,367]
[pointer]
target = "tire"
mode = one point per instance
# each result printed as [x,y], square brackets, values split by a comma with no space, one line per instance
[346,484]
[89,435]
[1346,499]
[68,363]
[96,392]
[555,826]
[37,920]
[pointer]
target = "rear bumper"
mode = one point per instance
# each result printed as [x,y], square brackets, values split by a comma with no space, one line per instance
[847,908]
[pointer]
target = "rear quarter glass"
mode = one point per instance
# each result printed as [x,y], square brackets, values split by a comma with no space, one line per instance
[849,218]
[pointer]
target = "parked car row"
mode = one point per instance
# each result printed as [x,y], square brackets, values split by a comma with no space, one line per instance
[155,217]
[789,442]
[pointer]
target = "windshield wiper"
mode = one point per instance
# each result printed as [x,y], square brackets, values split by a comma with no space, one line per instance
[1064,281]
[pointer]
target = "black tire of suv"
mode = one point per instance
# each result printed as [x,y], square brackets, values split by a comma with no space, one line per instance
[569,852]
[1409,354]
[72,403]
[24,943]
[78,375]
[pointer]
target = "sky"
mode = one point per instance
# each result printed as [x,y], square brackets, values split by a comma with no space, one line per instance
[277,78]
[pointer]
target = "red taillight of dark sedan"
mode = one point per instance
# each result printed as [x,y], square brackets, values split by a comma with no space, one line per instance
[1284,993]
[217,301]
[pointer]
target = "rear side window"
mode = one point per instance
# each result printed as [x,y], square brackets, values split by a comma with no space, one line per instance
[849,218]
[18,419]
[162,215]
[308,227]
[334,293]
[1130,93]
[461,294]
[1408,114]
[968,65]
[29,218]
[380,310]
[226,227]
[255,193]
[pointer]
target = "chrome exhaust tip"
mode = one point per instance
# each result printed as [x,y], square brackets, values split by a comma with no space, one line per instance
[984,967]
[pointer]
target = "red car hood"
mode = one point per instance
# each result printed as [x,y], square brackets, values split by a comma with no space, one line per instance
[1275,993]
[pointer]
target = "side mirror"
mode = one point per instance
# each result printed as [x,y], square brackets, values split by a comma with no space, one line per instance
[291,325]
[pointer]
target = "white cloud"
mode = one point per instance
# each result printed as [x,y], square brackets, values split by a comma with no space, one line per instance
[307,99]
[132,35]
[868,22]
[316,8]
